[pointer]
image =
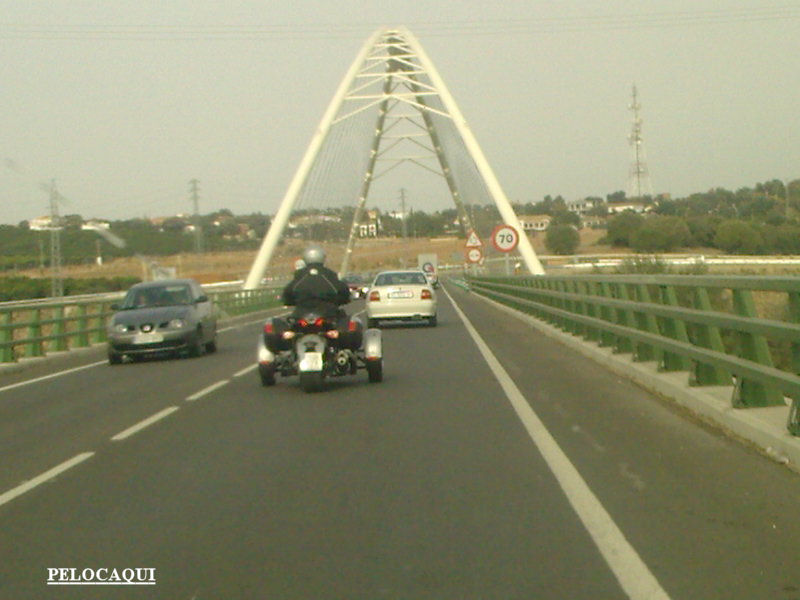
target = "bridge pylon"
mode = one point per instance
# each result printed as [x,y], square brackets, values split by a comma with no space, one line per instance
[392,107]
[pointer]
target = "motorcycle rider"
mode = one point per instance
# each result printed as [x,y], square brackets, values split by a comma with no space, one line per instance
[315,287]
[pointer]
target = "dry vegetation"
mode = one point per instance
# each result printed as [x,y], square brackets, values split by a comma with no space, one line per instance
[368,255]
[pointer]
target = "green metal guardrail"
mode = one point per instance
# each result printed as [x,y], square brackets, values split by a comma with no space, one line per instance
[37,328]
[716,328]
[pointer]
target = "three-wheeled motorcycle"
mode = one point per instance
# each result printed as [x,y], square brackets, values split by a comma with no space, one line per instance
[315,347]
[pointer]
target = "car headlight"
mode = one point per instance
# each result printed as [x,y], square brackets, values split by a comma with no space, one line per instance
[177,324]
[119,328]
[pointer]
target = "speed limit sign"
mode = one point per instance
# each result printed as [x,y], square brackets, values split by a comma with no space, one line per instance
[505,238]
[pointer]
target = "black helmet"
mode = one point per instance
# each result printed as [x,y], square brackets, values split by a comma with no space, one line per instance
[314,255]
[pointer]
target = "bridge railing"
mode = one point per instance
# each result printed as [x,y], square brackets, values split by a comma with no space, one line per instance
[737,330]
[37,328]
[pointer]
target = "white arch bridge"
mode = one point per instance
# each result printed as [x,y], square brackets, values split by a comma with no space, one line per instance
[391,108]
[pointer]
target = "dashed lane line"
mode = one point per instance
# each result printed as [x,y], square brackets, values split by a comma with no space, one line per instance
[51,375]
[208,390]
[46,476]
[145,423]
[246,370]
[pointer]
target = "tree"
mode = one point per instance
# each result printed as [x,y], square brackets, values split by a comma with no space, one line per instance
[660,234]
[565,217]
[616,197]
[622,227]
[738,237]
[562,239]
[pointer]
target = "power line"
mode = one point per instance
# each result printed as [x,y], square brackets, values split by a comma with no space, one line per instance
[556,24]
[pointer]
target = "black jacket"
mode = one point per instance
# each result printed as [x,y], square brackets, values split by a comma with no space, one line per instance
[316,288]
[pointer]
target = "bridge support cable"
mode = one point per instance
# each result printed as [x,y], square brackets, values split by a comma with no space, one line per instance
[393,76]
[278,224]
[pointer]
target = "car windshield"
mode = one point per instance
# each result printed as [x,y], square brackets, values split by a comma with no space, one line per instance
[401,279]
[168,295]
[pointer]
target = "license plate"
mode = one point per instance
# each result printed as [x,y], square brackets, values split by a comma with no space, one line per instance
[148,338]
[311,361]
[403,294]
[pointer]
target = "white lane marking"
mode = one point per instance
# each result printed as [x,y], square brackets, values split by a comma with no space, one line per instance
[207,390]
[47,475]
[52,375]
[241,325]
[630,570]
[142,424]
[245,371]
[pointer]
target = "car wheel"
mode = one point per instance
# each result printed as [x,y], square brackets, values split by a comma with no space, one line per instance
[211,346]
[375,370]
[432,321]
[114,358]
[196,345]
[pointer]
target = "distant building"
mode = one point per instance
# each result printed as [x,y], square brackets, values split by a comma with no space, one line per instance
[95,224]
[534,222]
[41,223]
[634,205]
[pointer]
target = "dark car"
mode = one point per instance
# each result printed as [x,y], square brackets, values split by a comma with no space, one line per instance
[358,285]
[158,317]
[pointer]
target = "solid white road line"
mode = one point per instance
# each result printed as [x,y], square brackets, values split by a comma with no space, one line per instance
[630,570]
[142,424]
[207,390]
[47,475]
[51,376]
[245,371]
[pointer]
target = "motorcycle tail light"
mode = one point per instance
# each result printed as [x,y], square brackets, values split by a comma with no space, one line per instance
[319,322]
[302,322]
[426,295]
[352,326]
[374,296]
[268,328]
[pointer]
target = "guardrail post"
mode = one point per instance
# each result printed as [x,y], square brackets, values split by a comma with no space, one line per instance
[566,324]
[793,423]
[578,307]
[646,322]
[624,317]
[707,336]
[592,333]
[607,314]
[99,334]
[82,339]
[59,339]
[7,338]
[34,345]
[752,347]
[675,329]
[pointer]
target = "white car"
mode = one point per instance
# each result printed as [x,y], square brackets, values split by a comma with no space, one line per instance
[401,295]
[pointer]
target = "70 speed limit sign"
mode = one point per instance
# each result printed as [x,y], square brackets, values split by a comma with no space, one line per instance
[505,238]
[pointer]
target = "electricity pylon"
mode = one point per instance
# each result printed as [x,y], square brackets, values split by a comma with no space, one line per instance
[393,76]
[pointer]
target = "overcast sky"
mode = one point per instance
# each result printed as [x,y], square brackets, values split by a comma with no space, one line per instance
[123,103]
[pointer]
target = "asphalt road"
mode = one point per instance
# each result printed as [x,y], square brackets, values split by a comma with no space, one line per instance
[549,478]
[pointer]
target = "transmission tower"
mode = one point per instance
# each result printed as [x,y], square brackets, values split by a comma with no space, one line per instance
[198,230]
[56,280]
[639,176]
